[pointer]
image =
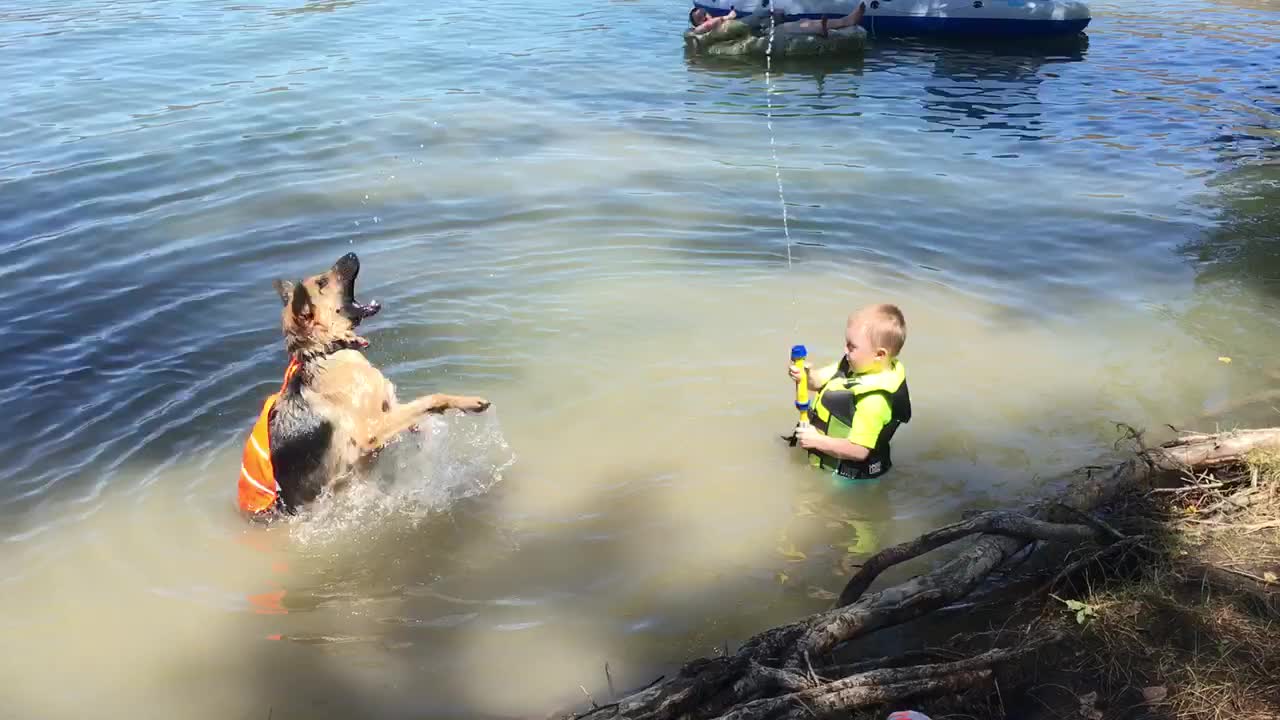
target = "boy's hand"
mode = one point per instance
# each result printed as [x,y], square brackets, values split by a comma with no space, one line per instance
[795,374]
[808,437]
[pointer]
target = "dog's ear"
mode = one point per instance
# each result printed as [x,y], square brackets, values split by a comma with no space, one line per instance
[301,303]
[283,287]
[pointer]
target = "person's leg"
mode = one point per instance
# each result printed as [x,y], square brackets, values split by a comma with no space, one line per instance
[849,20]
[820,27]
[807,27]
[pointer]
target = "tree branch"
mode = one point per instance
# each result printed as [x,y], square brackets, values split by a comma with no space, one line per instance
[998,523]
[882,685]
[908,600]
[1206,451]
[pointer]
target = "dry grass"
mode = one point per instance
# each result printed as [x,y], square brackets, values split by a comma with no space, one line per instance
[1192,619]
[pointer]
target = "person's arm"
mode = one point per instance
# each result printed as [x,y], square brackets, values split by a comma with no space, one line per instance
[818,377]
[712,23]
[821,376]
[872,414]
[810,439]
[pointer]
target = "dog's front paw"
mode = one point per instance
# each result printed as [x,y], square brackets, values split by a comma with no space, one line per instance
[473,404]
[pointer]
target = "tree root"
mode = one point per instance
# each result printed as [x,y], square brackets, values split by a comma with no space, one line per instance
[996,523]
[874,687]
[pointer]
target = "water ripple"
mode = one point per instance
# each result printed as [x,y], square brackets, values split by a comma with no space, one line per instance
[519,178]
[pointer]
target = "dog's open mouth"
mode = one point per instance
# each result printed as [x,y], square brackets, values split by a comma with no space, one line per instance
[347,268]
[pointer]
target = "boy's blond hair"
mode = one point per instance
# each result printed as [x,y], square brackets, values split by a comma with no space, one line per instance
[886,326]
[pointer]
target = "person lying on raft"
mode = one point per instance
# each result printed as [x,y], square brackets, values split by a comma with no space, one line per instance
[703,22]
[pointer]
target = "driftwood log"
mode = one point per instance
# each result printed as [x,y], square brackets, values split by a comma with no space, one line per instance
[789,671]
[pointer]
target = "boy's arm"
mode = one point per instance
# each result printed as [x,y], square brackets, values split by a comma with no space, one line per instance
[839,448]
[820,377]
[872,414]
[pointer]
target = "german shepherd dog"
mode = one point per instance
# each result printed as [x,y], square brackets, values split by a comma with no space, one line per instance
[335,410]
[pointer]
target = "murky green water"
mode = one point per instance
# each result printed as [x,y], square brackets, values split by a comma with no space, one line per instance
[561,212]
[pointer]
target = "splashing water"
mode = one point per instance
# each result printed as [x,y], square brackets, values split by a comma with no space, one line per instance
[421,475]
[773,148]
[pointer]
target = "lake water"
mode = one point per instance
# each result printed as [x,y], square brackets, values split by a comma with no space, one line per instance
[562,212]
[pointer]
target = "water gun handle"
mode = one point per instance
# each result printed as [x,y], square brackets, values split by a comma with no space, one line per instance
[798,355]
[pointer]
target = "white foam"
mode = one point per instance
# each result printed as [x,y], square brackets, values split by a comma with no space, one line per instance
[451,458]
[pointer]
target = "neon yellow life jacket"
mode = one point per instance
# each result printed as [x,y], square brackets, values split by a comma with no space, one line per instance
[833,409]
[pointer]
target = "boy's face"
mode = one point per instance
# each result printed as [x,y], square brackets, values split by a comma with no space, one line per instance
[699,16]
[858,348]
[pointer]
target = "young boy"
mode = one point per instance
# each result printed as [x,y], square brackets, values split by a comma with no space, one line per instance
[861,400]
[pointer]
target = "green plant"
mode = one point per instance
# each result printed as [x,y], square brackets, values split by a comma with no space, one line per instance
[1083,611]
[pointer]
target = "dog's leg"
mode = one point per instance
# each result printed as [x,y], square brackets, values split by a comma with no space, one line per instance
[440,403]
[400,418]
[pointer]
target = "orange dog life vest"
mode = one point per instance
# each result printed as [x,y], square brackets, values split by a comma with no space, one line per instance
[258,488]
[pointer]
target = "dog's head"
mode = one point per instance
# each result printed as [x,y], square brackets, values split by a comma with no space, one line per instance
[321,313]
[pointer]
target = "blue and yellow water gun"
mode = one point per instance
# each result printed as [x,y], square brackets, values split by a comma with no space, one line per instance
[798,356]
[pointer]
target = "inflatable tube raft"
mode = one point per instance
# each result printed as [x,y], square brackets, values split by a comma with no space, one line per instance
[736,39]
[950,18]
